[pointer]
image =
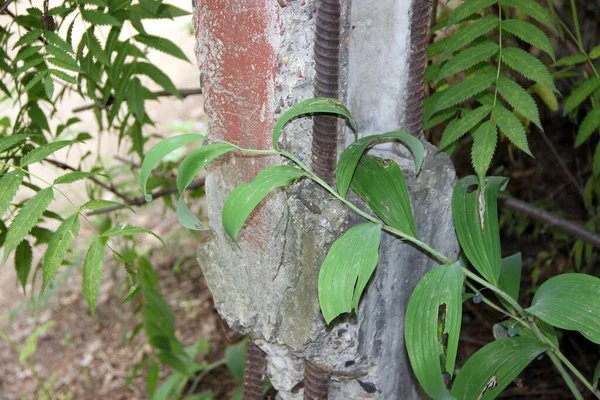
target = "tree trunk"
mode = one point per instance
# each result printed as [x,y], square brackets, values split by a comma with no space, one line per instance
[256,58]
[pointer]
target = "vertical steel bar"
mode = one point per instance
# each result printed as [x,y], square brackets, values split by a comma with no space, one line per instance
[254,372]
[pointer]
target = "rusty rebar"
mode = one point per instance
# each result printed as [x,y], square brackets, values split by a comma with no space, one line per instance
[327,67]
[254,372]
[316,383]
[419,27]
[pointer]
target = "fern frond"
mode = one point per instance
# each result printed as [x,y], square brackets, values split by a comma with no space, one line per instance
[519,99]
[590,123]
[580,93]
[468,58]
[529,34]
[463,91]
[529,66]
[467,9]
[485,139]
[459,126]
[511,127]
[468,33]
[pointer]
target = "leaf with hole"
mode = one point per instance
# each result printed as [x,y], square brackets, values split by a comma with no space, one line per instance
[319,105]
[432,327]
[479,238]
[244,198]
[347,268]
[571,302]
[489,371]
[352,154]
[160,150]
[26,219]
[381,184]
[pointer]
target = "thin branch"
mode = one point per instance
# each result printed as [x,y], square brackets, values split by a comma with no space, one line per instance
[139,201]
[5,5]
[552,220]
[160,93]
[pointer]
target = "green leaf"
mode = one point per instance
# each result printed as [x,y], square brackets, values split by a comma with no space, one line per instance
[189,168]
[30,346]
[475,217]
[510,276]
[590,123]
[38,117]
[152,378]
[71,177]
[489,371]
[128,230]
[572,302]
[37,78]
[8,142]
[468,33]
[26,219]
[347,269]
[157,76]
[27,38]
[235,359]
[459,126]
[311,106]
[61,63]
[9,183]
[48,86]
[547,96]
[60,74]
[23,260]
[529,66]
[381,184]
[40,153]
[463,91]
[161,44]
[135,99]
[511,127]
[519,99]
[95,48]
[468,8]
[244,198]
[92,273]
[595,52]
[531,8]
[529,34]
[97,17]
[468,58]
[26,52]
[97,204]
[439,118]
[485,139]
[160,150]
[434,311]
[353,153]
[580,93]
[57,41]
[59,245]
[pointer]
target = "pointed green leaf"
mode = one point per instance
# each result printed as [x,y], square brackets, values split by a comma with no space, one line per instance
[489,371]
[71,177]
[581,93]
[311,106]
[485,139]
[531,8]
[244,198]
[459,126]
[157,76]
[160,150]
[64,64]
[40,153]
[135,99]
[92,273]
[590,123]
[35,80]
[529,34]
[26,219]
[97,204]
[187,218]
[347,268]
[57,41]
[381,184]
[529,66]
[479,237]
[58,246]
[161,44]
[23,260]
[27,38]
[519,99]
[468,58]
[434,311]
[128,230]
[463,91]
[60,74]
[439,118]
[26,52]
[235,359]
[8,142]
[48,86]
[468,8]
[468,33]
[511,127]
[95,48]
[97,17]
[353,153]
[436,48]
[572,302]
[547,96]
[595,52]
[510,275]
[9,183]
